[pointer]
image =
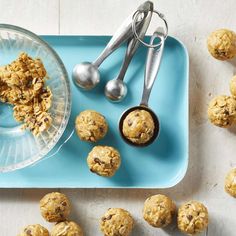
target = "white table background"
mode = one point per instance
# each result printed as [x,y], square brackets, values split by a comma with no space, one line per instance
[212,150]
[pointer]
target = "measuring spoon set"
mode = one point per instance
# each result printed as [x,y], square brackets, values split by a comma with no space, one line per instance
[86,75]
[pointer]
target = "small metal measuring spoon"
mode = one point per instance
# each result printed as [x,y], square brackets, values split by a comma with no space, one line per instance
[86,74]
[153,62]
[116,89]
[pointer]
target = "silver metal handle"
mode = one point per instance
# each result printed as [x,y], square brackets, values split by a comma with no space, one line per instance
[153,62]
[133,45]
[123,33]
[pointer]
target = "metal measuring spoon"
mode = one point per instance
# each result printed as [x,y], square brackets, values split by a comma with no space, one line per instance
[116,89]
[86,74]
[153,61]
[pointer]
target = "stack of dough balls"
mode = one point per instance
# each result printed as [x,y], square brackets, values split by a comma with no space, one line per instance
[222,109]
[222,44]
[159,210]
[91,126]
[116,221]
[54,207]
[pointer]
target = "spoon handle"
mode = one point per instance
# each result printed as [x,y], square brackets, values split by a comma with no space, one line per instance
[123,33]
[153,62]
[133,45]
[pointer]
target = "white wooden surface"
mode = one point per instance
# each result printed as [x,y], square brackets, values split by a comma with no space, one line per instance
[212,150]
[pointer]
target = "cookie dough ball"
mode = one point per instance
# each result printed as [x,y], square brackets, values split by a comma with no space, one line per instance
[230,183]
[138,126]
[66,228]
[55,207]
[116,221]
[222,44]
[159,210]
[232,86]
[192,218]
[222,111]
[34,230]
[91,126]
[104,160]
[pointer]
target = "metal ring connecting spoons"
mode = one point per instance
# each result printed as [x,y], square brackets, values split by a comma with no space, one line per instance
[86,75]
[116,89]
[153,62]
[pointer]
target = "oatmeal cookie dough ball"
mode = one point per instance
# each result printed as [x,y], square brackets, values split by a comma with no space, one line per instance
[230,182]
[222,111]
[67,228]
[55,207]
[138,126]
[91,126]
[34,230]
[159,210]
[222,44]
[116,221]
[104,160]
[192,218]
[232,86]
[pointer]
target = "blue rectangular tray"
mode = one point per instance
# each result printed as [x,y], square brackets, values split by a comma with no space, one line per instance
[161,165]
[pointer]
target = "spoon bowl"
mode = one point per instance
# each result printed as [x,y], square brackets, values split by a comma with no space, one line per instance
[115,90]
[155,119]
[86,75]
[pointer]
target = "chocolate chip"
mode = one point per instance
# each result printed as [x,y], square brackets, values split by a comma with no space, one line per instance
[29,232]
[111,162]
[92,170]
[107,218]
[97,160]
[130,122]
[101,129]
[163,221]
[139,135]
[58,209]
[64,204]
[190,217]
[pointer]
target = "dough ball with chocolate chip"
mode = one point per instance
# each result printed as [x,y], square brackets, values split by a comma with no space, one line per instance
[91,126]
[192,218]
[222,111]
[34,230]
[55,207]
[230,182]
[67,228]
[104,160]
[159,210]
[222,44]
[116,221]
[138,126]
